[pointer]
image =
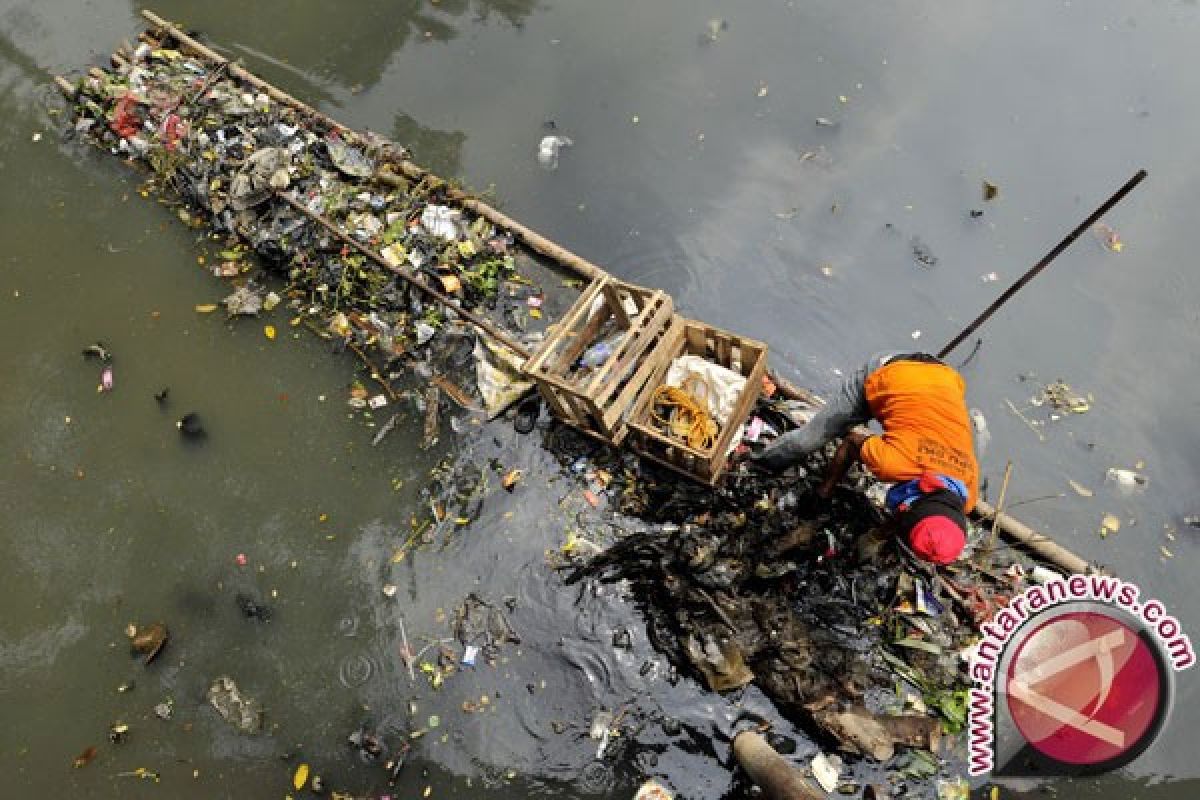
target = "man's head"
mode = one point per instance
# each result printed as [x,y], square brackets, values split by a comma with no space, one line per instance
[935,526]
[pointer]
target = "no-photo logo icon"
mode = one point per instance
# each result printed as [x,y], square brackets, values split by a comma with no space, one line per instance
[1085,692]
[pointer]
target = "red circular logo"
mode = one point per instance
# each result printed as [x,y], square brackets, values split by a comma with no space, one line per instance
[1085,689]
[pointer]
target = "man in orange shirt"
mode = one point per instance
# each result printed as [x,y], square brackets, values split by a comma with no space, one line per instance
[926,448]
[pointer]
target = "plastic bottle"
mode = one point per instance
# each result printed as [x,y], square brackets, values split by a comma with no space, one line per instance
[979,423]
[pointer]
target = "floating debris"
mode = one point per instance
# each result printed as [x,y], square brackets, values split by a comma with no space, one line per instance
[84,758]
[300,777]
[826,770]
[548,149]
[147,640]
[243,713]
[713,30]
[243,302]
[1127,478]
[1062,397]
[191,426]
[1080,489]
[97,350]
[1108,238]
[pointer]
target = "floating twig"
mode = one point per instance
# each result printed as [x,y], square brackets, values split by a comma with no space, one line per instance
[406,653]
[1025,419]
[1000,505]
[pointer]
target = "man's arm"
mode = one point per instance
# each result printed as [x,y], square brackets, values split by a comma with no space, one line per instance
[847,453]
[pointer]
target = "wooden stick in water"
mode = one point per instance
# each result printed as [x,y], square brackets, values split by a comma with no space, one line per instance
[1000,505]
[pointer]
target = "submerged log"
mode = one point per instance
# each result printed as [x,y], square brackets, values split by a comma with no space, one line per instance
[770,771]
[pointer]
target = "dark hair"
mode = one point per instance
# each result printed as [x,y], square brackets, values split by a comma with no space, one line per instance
[942,503]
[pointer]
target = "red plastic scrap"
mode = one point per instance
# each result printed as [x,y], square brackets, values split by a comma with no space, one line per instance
[171,131]
[126,123]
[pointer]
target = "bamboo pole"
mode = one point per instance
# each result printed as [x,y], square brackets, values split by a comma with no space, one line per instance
[479,322]
[1037,543]
[535,241]
[778,779]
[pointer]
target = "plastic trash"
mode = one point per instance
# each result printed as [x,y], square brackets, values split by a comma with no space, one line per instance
[982,434]
[1127,478]
[653,790]
[599,352]
[548,148]
[441,221]
[425,332]
[601,722]
[241,712]
[1040,574]
[500,383]
[470,653]
[825,770]
[725,384]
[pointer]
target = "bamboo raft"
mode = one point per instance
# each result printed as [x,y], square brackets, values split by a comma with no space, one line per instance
[609,404]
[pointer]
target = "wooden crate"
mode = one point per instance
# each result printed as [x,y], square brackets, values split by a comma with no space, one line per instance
[595,400]
[745,356]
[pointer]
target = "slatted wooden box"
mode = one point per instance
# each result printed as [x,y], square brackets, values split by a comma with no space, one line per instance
[747,357]
[596,399]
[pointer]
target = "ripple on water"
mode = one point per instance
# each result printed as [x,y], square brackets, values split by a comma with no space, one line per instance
[348,626]
[597,777]
[355,670]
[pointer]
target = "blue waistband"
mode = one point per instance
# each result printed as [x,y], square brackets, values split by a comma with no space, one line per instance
[905,493]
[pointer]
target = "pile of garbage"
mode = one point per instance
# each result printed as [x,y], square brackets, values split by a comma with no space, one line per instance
[816,602]
[226,154]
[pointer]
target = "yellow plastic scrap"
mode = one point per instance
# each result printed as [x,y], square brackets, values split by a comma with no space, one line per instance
[301,777]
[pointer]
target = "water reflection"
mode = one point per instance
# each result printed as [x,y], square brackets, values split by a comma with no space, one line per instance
[438,151]
[347,44]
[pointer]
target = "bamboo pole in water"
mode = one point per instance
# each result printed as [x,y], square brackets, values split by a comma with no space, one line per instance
[1038,543]
[535,241]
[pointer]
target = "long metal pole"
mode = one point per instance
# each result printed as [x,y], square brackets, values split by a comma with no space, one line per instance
[1046,259]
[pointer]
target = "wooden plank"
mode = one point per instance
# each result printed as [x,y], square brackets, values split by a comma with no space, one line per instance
[566,325]
[551,398]
[617,305]
[583,339]
[632,388]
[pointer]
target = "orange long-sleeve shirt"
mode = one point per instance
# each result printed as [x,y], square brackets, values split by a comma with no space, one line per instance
[923,410]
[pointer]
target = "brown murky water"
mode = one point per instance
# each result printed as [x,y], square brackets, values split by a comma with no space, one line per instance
[698,166]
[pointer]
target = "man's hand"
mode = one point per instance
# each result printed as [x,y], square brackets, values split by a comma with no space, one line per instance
[847,454]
